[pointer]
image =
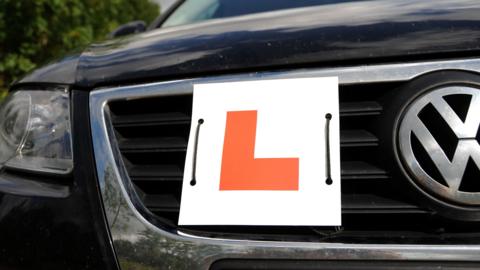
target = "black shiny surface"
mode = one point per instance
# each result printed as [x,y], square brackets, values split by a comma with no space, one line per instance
[58,72]
[361,31]
[26,184]
[59,232]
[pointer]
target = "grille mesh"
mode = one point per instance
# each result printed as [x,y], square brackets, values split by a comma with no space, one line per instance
[152,135]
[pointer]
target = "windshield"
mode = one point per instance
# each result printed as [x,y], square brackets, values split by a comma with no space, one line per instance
[192,11]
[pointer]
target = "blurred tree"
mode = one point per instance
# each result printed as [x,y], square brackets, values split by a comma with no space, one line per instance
[33,32]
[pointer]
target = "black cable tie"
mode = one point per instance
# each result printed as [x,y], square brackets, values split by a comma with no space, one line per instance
[193,182]
[328,170]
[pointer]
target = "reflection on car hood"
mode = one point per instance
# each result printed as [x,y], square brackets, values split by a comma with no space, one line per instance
[360,31]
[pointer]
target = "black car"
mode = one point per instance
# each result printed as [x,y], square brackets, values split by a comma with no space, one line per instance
[93,146]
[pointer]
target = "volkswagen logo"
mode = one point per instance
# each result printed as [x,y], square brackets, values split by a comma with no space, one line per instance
[438,165]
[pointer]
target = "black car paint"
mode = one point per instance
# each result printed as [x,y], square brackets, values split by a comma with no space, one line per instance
[59,233]
[357,32]
[71,233]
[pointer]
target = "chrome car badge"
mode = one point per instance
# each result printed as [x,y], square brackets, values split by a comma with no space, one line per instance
[452,169]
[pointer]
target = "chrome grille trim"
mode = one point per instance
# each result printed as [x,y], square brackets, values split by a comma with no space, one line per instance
[179,250]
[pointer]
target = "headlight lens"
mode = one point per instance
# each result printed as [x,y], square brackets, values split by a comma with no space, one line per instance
[35,131]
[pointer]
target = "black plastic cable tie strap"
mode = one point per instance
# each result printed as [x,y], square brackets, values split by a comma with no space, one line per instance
[328,170]
[193,182]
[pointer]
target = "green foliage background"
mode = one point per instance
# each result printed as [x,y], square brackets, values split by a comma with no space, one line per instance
[33,32]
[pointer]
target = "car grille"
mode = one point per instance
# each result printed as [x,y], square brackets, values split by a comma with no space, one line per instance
[152,135]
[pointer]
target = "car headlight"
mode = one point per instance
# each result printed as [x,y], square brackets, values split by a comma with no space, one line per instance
[35,133]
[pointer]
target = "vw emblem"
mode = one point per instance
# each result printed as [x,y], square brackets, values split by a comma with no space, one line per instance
[450,169]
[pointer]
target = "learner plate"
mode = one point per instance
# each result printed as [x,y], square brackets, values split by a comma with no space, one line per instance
[263,152]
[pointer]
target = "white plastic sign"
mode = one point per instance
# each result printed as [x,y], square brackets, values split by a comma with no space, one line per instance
[263,152]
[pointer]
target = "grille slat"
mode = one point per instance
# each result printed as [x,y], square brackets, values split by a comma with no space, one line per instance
[156,173]
[160,144]
[153,141]
[362,203]
[353,138]
[350,204]
[350,170]
[348,138]
[360,169]
[361,108]
[150,119]
[162,203]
